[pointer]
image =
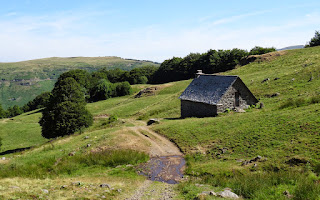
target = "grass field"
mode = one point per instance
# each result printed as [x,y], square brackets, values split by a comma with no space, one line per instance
[285,133]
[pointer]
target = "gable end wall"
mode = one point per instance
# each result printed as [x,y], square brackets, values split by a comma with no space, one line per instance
[228,99]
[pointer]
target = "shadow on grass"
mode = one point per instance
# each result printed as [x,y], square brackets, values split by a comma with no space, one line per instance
[15,150]
[174,118]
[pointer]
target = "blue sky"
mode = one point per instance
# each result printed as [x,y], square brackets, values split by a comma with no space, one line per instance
[150,30]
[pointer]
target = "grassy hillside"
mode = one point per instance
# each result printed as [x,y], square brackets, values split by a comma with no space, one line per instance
[22,81]
[285,133]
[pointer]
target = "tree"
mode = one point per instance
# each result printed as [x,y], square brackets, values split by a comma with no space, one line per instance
[14,111]
[315,41]
[141,75]
[2,112]
[261,50]
[40,101]
[101,91]
[65,112]
[122,89]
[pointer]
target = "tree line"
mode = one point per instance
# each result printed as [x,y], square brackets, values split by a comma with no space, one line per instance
[104,83]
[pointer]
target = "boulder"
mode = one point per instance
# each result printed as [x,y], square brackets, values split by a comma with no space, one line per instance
[228,194]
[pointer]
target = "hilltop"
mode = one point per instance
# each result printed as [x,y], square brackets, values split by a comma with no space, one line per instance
[20,82]
[259,154]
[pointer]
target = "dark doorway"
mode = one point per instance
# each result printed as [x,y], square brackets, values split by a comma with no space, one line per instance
[237,100]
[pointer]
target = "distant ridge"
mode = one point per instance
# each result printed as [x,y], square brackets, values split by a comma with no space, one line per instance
[291,47]
[22,81]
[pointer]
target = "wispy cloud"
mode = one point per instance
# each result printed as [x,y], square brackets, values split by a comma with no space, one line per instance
[237,17]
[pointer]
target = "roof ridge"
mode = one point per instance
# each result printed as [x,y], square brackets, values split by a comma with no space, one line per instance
[219,75]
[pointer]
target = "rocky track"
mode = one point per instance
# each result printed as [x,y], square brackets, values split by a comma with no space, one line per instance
[166,166]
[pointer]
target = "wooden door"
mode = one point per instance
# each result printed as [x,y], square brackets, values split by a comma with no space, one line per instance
[237,100]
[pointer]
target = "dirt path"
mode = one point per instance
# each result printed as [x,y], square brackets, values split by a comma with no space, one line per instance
[154,190]
[160,146]
[166,166]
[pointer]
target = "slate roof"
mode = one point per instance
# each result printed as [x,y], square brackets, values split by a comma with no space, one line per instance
[208,88]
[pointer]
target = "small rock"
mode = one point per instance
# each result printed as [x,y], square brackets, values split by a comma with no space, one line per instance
[256,159]
[86,137]
[212,193]
[153,121]
[45,191]
[240,110]
[287,194]
[77,183]
[63,187]
[275,94]
[3,158]
[119,190]
[129,165]
[228,194]
[255,165]
[103,197]
[292,79]
[245,163]
[261,105]
[72,153]
[15,187]
[105,185]
[88,145]
[265,80]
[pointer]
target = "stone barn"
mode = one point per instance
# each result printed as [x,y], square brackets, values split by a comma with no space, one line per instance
[207,95]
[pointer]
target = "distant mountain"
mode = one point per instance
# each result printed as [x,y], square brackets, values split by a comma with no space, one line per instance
[20,82]
[291,47]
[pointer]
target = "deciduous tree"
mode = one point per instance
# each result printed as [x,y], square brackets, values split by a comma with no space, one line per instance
[66,112]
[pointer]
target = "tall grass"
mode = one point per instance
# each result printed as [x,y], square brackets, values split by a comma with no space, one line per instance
[293,103]
[261,185]
[69,165]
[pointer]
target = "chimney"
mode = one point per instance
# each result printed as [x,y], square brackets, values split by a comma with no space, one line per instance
[199,72]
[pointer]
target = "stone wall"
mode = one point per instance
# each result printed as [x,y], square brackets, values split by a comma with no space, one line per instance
[195,109]
[228,99]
